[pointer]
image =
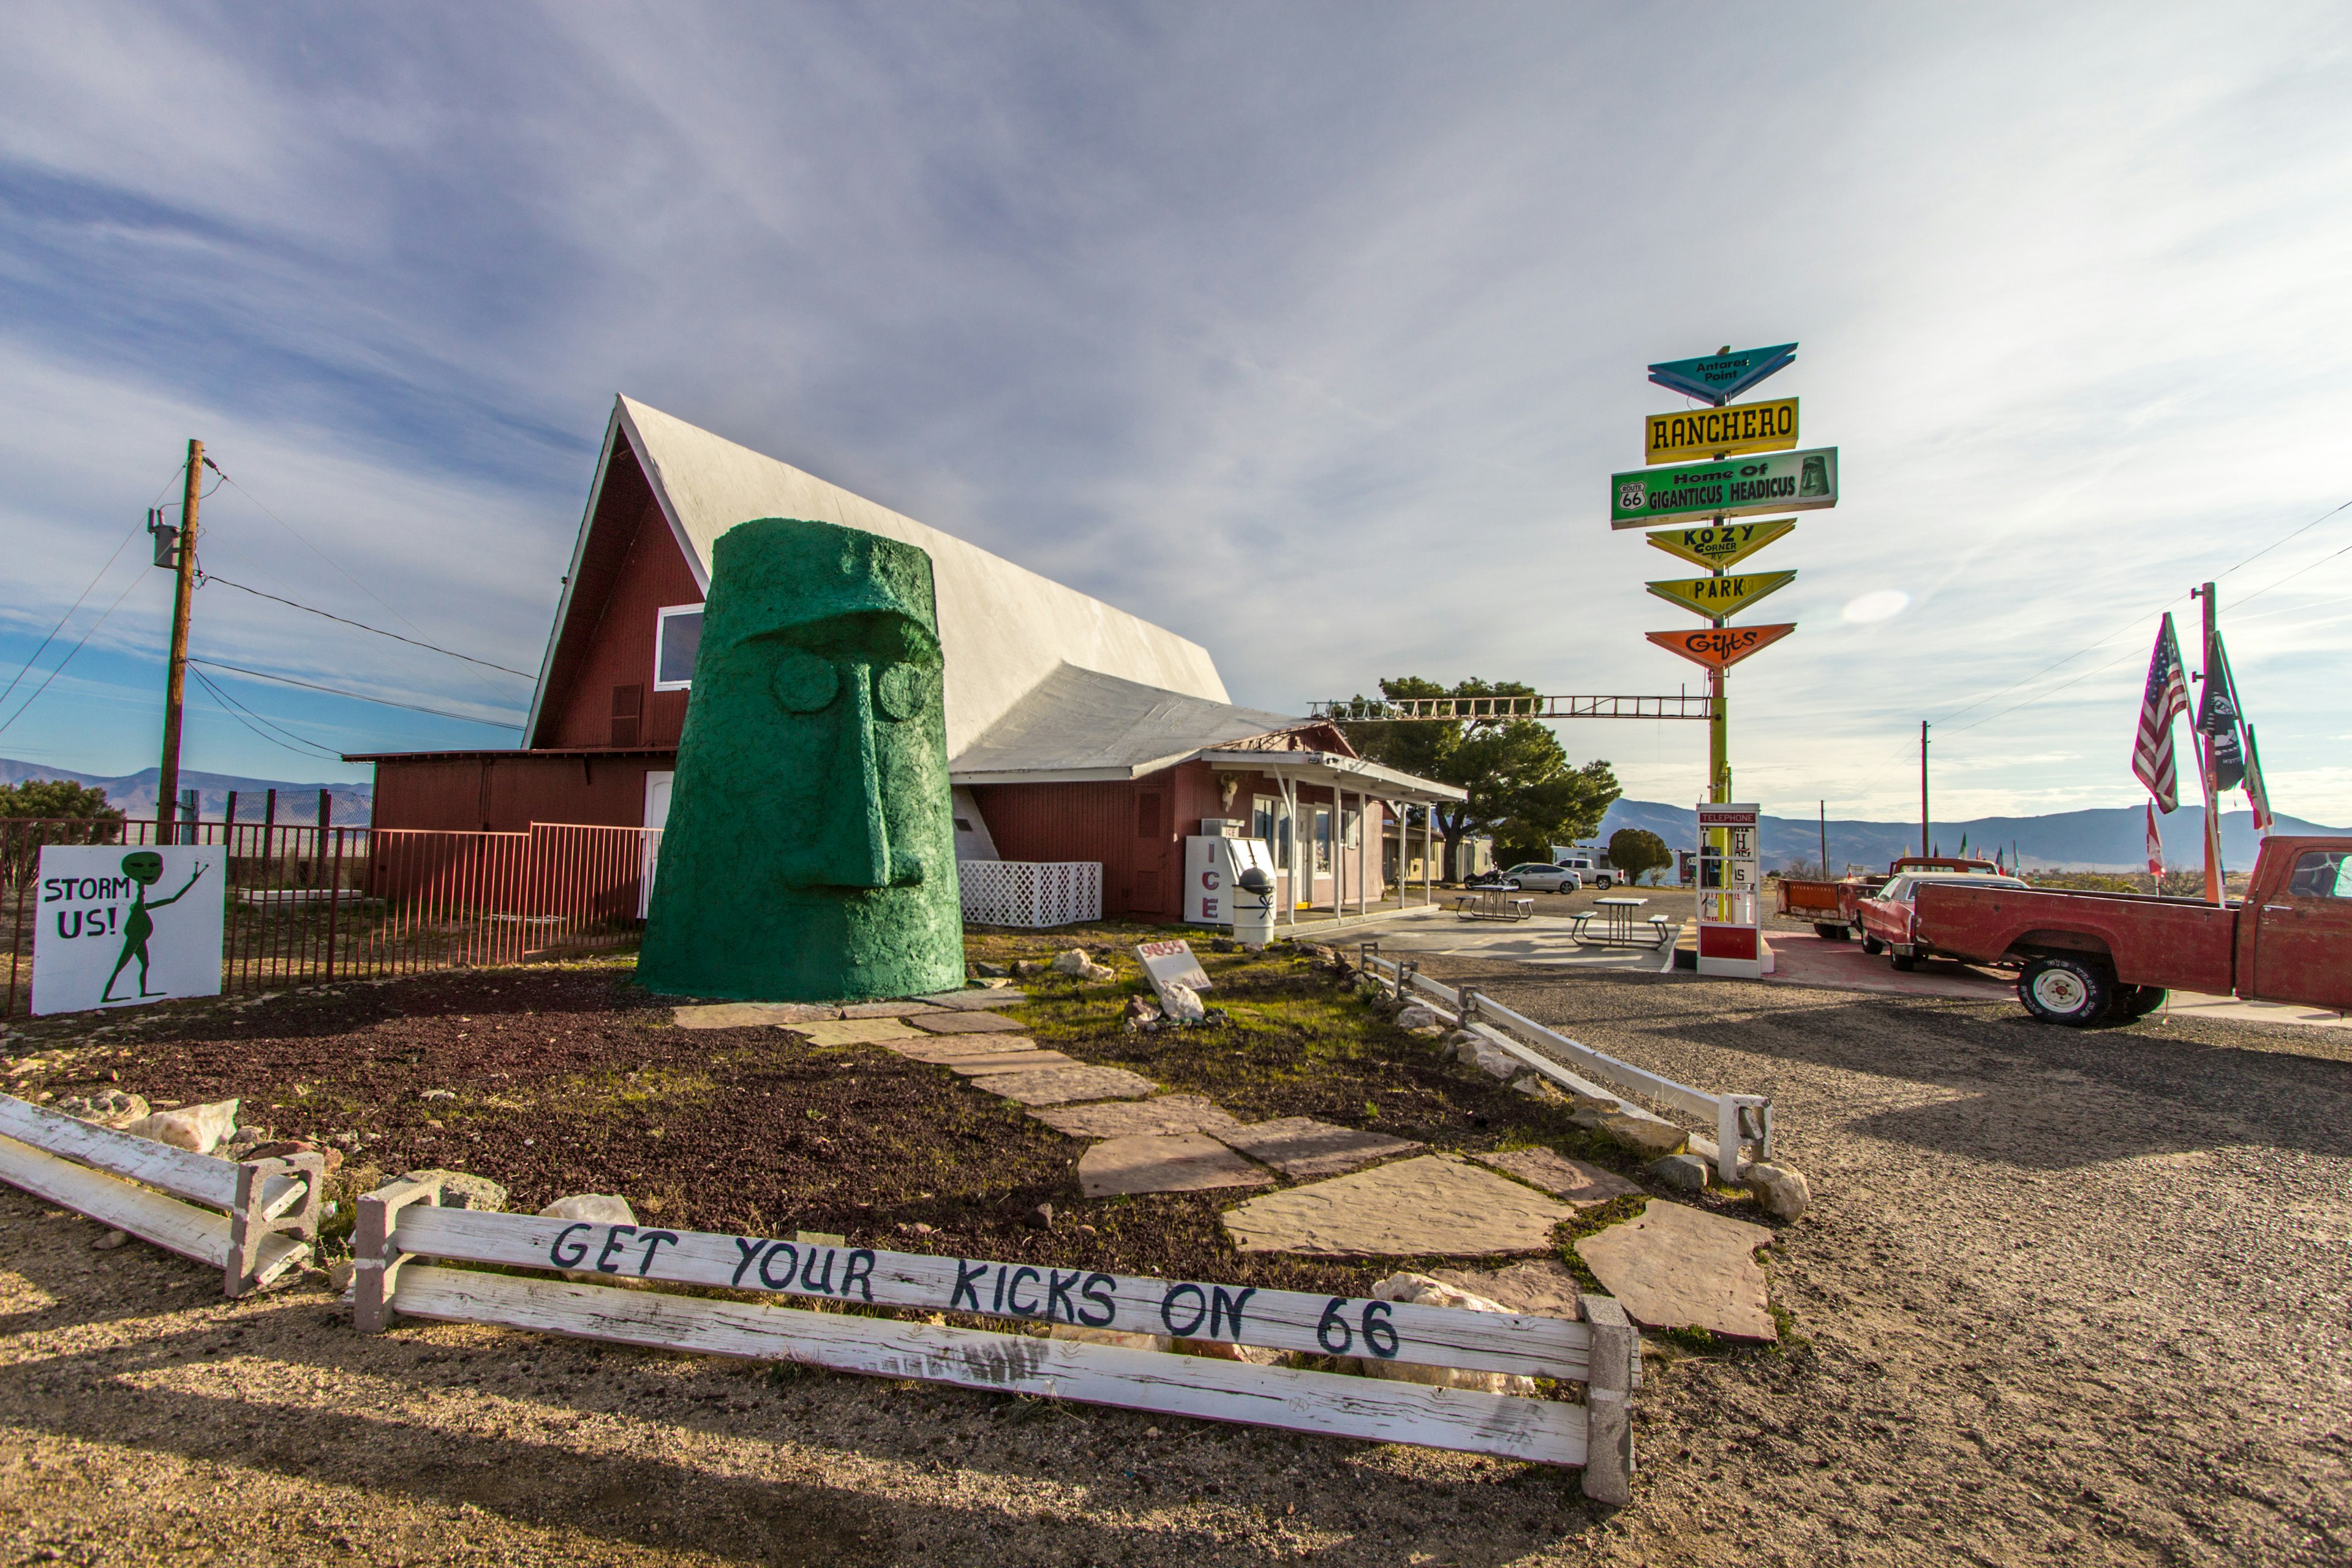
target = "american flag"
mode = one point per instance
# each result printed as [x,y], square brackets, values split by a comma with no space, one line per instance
[2166,696]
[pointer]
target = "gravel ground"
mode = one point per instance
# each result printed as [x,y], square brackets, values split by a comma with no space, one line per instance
[2069,1294]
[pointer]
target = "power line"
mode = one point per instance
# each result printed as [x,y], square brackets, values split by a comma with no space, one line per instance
[313,549]
[356,696]
[252,720]
[69,659]
[211,577]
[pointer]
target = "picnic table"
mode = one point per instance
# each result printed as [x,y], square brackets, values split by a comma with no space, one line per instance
[1620,925]
[1494,904]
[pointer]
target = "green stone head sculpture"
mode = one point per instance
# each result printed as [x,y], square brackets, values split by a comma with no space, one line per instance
[810,855]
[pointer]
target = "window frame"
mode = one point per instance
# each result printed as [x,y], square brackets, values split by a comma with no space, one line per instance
[661,635]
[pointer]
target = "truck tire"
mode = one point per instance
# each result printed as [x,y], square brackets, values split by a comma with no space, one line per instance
[1905,962]
[1601,883]
[1829,930]
[2064,991]
[1871,945]
[2132,1002]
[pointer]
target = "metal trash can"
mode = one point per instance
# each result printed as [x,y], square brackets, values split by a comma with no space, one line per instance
[1254,907]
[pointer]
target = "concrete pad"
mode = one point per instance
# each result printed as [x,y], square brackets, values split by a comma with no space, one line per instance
[1681,1268]
[958,1047]
[1127,1119]
[951,1022]
[1300,1146]
[1164,1162]
[976,1000]
[1062,1086]
[853,1031]
[888,1009]
[1541,1287]
[1436,1205]
[749,1014]
[1008,1061]
[1584,1185]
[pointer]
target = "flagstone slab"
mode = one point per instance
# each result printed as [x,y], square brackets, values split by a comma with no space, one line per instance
[976,1000]
[958,1048]
[1585,1186]
[1063,1086]
[1436,1205]
[749,1014]
[951,1022]
[1008,1061]
[854,1031]
[1164,1162]
[1130,1118]
[1541,1286]
[889,1009]
[1681,1268]
[1300,1146]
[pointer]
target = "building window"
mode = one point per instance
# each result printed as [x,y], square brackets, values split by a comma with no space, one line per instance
[676,635]
[1268,821]
[1322,840]
[628,715]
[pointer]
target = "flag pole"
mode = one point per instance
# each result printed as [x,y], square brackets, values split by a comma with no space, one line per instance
[2216,891]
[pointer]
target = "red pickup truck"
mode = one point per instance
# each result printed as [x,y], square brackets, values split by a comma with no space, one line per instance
[1834,906]
[2089,956]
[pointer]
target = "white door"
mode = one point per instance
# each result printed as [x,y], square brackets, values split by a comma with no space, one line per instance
[656,819]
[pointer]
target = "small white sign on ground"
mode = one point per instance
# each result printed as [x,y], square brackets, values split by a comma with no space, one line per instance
[115,926]
[1167,962]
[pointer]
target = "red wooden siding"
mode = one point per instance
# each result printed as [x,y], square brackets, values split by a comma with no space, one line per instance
[506,793]
[600,686]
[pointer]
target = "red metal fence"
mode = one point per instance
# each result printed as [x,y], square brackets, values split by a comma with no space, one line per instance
[317,904]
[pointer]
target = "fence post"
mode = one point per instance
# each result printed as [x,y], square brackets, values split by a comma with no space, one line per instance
[334,894]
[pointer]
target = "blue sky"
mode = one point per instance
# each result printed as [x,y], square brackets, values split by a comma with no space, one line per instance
[1314,332]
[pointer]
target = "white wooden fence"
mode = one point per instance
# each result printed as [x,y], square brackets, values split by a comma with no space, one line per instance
[252,1220]
[1742,1122]
[1034,893]
[401,1224]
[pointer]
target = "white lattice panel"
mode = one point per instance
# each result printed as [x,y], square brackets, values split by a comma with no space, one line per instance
[1034,893]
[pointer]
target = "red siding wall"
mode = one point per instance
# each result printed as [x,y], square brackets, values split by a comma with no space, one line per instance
[507,795]
[631,570]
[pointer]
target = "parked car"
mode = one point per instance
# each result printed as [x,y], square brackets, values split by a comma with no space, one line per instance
[1818,901]
[1591,870]
[1537,877]
[2089,956]
[1888,916]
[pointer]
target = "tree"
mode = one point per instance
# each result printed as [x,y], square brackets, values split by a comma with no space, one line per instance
[57,798]
[60,812]
[1522,788]
[1636,852]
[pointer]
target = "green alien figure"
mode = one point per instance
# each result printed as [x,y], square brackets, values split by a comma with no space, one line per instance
[810,855]
[145,867]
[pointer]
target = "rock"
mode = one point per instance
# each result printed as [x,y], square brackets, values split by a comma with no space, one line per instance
[1028,966]
[1654,1140]
[1424,1290]
[596,1208]
[1223,944]
[751,1014]
[461,1191]
[1065,1086]
[107,1108]
[1585,1186]
[1539,1088]
[1415,1016]
[1539,1287]
[968,1022]
[1681,1268]
[1119,1336]
[1126,1118]
[1039,1218]
[1300,1146]
[1075,961]
[1459,1038]
[861,1031]
[1496,1062]
[1783,1191]
[1679,1173]
[1219,1349]
[1183,1002]
[199,1129]
[1139,1013]
[990,970]
[1433,1206]
[339,1277]
[437,1094]
[1163,1162]
[110,1241]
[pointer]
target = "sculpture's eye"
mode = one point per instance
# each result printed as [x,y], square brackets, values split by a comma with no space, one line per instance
[803,683]
[903,691]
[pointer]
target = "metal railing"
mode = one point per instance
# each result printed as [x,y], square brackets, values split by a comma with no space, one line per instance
[308,904]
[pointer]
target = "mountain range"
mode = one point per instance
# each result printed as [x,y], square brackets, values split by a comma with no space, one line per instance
[351,805]
[2110,838]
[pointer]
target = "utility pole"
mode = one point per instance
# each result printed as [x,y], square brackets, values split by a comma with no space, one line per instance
[1923,787]
[2215,889]
[176,678]
[1825,838]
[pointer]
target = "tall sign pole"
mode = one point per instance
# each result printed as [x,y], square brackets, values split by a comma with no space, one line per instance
[2215,890]
[175,677]
[1923,789]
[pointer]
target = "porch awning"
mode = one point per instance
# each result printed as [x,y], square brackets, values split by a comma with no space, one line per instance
[1331,769]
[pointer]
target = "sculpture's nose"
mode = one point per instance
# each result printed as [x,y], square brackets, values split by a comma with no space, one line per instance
[854,851]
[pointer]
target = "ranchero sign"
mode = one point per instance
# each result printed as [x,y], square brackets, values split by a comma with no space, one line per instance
[1735,487]
[1720,431]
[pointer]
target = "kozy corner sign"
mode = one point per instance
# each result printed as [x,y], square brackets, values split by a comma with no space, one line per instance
[1720,431]
[1725,545]
[1719,647]
[1736,487]
[1719,378]
[1718,597]
[118,925]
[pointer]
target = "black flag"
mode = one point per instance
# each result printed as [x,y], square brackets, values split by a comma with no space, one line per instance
[2218,719]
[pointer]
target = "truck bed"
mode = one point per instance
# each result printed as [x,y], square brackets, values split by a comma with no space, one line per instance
[2178,944]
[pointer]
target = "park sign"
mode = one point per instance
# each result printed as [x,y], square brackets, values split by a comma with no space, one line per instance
[1720,431]
[1719,647]
[1718,597]
[1735,487]
[117,925]
[1724,545]
[1717,378]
